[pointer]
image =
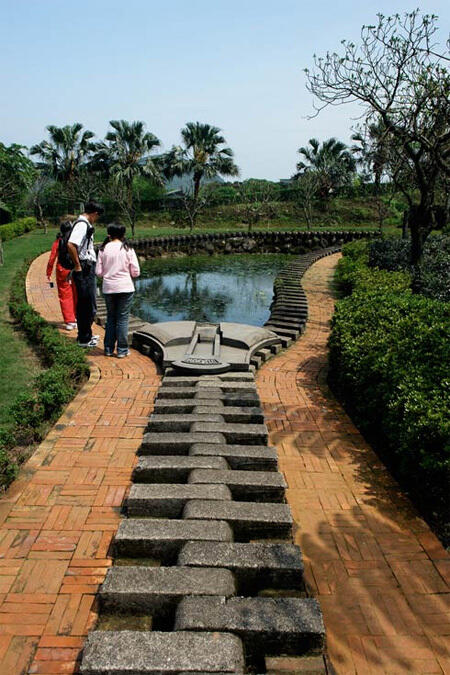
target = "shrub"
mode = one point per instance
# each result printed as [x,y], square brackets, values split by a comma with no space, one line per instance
[17,227]
[389,364]
[51,389]
[394,254]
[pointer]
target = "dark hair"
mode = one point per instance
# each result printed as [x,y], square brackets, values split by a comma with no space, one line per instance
[115,231]
[64,227]
[94,207]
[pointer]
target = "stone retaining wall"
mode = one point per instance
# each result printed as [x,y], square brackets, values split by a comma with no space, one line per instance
[244,242]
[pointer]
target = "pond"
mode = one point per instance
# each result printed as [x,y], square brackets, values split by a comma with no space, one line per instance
[237,288]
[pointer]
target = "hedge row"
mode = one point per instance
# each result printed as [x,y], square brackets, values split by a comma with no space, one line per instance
[389,364]
[17,227]
[66,369]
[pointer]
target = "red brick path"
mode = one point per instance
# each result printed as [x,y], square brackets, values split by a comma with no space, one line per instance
[58,518]
[382,577]
[380,574]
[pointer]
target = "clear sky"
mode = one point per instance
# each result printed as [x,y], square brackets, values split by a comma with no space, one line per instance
[236,64]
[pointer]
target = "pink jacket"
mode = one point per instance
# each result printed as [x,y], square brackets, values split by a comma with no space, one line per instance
[117,266]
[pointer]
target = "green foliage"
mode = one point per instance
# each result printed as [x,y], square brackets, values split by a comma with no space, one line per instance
[53,388]
[16,228]
[395,254]
[389,356]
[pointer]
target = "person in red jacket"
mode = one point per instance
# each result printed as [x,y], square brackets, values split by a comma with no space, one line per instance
[67,293]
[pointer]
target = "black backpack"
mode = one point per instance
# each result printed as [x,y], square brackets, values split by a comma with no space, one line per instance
[64,258]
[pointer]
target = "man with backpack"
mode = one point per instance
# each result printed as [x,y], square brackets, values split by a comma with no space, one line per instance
[80,247]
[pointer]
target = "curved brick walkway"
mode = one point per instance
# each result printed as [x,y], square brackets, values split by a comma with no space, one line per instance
[382,577]
[58,518]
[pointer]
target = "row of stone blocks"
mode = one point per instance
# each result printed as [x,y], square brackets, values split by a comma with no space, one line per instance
[208,536]
[289,308]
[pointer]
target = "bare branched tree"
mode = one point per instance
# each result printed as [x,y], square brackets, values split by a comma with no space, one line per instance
[400,76]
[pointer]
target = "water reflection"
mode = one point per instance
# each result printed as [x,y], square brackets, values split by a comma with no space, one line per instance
[208,288]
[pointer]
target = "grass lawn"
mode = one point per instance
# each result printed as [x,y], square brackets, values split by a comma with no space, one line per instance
[18,362]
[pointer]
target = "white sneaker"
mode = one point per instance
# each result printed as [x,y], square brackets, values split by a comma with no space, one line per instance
[70,326]
[90,344]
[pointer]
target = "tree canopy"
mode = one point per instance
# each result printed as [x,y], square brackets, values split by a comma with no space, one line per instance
[400,77]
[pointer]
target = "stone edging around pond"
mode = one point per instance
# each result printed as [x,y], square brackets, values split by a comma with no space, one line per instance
[245,242]
[289,310]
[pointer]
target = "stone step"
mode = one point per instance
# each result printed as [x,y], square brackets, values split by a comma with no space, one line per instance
[255,566]
[250,399]
[157,590]
[233,414]
[166,391]
[286,313]
[171,443]
[285,340]
[157,653]
[249,520]
[256,361]
[286,323]
[173,376]
[268,625]
[173,469]
[183,407]
[285,332]
[249,486]
[162,538]
[168,500]
[264,354]
[241,457]
[180,423]
[250,434]
[276,349]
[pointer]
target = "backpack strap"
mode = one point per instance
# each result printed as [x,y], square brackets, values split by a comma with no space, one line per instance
[88,234]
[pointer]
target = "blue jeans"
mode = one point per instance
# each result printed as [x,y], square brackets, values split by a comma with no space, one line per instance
[118,311]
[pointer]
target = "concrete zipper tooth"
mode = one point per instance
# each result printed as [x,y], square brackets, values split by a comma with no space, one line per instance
[206,485]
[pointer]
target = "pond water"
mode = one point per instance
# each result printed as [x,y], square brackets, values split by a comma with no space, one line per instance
[236,288]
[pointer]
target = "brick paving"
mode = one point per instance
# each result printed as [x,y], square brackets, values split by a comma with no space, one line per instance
[380,574]
[57,519]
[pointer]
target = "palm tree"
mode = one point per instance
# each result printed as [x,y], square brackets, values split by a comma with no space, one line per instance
[373,150]
[200,156]
[124,156]
[65,155]
[332,162]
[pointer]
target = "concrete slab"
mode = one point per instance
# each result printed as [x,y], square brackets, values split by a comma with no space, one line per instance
[256,486]
[168,500]
[162,538]
[173,469]
[271,625]
[240,457]
[155,653]
[157,590]
[249,520]
[176,443]
[254,565]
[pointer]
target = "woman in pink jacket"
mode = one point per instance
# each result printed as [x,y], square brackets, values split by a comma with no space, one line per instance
[118,265]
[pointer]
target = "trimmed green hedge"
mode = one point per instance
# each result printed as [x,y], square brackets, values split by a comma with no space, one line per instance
[33,410]
[390,365]
[17,227]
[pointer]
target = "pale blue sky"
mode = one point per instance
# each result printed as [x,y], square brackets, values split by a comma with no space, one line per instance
[235,64]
